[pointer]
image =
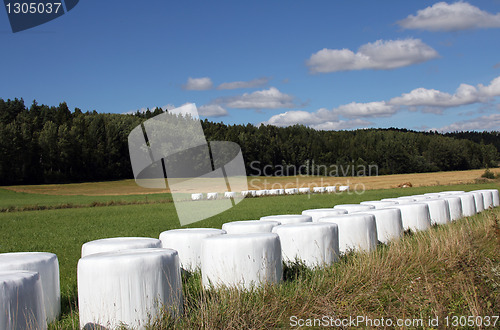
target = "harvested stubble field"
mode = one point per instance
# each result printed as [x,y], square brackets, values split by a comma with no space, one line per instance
[448,270]
[129,187]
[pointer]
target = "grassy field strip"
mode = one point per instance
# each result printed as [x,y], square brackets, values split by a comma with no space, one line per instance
[18,201]
[129,187]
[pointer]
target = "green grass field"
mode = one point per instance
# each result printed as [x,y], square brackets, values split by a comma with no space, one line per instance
[11,200]
[63,231]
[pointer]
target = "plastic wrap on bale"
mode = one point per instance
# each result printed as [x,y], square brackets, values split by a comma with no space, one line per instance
[312,244]
[242,261]
[379,204]
[439,210]
[128,287]
[353,208]
[357,231]
[249,226]
[286,219]
[47,266]
[468,204]
[415,216]
[187,242]
[317,214]
[455,206]
[21,301]
[487,198]
[389,223]
[119,243]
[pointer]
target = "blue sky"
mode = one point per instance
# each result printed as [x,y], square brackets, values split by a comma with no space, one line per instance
[326,64]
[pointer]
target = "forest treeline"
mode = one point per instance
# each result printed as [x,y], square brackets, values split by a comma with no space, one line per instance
[52,144]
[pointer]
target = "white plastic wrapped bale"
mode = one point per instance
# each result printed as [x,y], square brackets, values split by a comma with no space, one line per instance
[261,192]
[407,198]
[455,206]
[245,193]
[343,188]
[128,287]
[331,189]
[304,190]
[187,242]
[357,231]
[468,204]
[435,195]
[281,191]
[419,197]
[496,197]
[21,301]
[119,243]
[353,208]
[399,201]
[478,200]
[241,261]
[196,197]
[47,266]
[317,214]
[379,204]
[319,190]
[230,194]
[273,192]
[251,193]
[439,211]
[313,244]
[452,192]
[415,216]
[389,223]
[249,226]
[291,191]
[212,195]
[286,219]
[487,198]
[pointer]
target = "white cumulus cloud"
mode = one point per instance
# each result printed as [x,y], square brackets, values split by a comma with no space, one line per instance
[483,123]
[450,17]
[490,91]
[290,118]
[198,84]
[322,119]
[435,99]
[212,110]
[380,55]
[427,100]
[342,124]
[244,84]
[370,109]
[322,116]
[270,98]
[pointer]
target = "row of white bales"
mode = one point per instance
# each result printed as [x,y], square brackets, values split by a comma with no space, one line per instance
[271,192]
[125,280]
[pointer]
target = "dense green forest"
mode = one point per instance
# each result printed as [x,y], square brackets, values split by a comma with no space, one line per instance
[51,144]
